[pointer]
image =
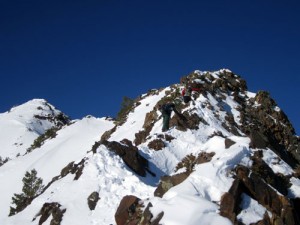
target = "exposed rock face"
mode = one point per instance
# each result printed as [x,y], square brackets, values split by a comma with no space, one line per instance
[130,155]
[59,119]
[270,127]
[130,212]
[73,168]
[186,121]
[93,199]
[51,209]
[156,144]
[261,120]
[167,182]
[190,161]
[255,186]
[150,120]
[229,143]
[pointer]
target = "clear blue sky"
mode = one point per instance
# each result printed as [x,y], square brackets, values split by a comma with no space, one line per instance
[84,56]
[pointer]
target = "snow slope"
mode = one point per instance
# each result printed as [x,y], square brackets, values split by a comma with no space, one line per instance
[71,144]
[21,126]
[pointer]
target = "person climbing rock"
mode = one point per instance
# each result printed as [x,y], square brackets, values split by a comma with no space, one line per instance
[186,94]
[166,110]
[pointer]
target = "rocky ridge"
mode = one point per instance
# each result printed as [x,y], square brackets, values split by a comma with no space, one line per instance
[231,149]
[254,116]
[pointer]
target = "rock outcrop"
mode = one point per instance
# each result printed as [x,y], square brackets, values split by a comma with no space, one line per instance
[130,212]
[130,155]
[53,209]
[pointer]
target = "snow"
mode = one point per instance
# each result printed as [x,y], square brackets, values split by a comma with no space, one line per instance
[204,186]
[136,119]
[276,164]
[22,128]
[198,81]
[196,211]
[251,94]
[277,109]
[194,201]
[71,144]
[252,211]
[233,108]
[294,190]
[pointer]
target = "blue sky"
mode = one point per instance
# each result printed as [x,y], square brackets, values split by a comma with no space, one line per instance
[84,56]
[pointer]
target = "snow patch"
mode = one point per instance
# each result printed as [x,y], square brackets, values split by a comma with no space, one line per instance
[252,211]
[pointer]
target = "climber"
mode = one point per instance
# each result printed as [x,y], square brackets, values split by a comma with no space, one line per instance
[166,110]
[191,90]
[186,94]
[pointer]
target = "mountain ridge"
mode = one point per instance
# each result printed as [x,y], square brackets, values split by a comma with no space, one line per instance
[233,139]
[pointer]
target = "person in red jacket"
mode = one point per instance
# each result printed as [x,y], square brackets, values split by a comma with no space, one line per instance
[186,93]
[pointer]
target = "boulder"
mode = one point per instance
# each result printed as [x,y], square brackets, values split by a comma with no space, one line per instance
[93,200]
[129,154]
[156,144]
[130,212]
[167,182]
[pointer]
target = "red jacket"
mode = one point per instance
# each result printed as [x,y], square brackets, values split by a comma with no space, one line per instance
[193,89]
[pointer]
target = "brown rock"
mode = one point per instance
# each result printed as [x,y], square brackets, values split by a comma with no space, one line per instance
[228,143]
[126,208]
[54,210]
[156,144]
[93,199]
[130,155]
[167,182]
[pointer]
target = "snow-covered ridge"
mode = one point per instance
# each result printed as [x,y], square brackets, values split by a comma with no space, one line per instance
[22,124]
[214,147]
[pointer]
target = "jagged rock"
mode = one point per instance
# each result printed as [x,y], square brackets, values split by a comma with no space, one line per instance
[127,206]
[204,157]
[141,136]
[147,218]
[95,147]
[296,204]
[130,156]
[270,127]
[57,215]
[279,182]
[73,168]
[67,169]
[186,121]
[228,143]
[93,199]
[51,209]
[190,161]
[106,135]
[231,125]
[150,119]
[149,122]
[156,144]
[168,137]
[167,182]
[253,185]
[230,201]
[130,212]
[261,139]
[265,221]
[258,140]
